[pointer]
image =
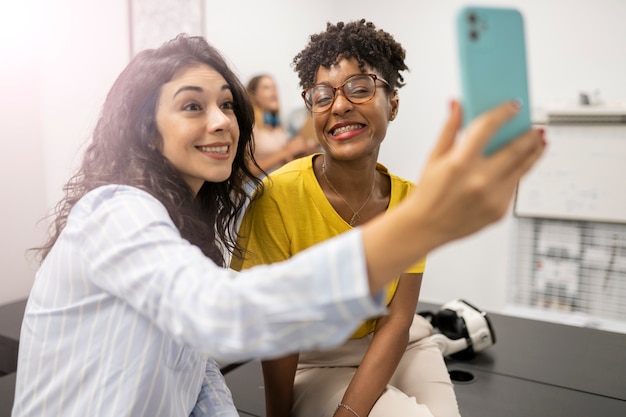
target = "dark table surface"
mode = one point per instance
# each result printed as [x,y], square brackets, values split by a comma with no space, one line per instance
[7,390]
[535,369]
[577,358]
[10,324]
[487,395]
[496,395]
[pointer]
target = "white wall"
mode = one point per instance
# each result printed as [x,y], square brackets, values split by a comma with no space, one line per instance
[573,46]
[21,167]
[62,58]
[55,92]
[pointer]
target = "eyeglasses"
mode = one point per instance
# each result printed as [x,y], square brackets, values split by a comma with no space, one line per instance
[357,89]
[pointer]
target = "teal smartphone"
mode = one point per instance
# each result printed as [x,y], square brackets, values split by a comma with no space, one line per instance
[492,58]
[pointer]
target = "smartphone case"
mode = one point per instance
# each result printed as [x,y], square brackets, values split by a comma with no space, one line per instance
[492,57]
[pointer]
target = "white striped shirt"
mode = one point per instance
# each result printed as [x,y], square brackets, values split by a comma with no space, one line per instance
[124,314]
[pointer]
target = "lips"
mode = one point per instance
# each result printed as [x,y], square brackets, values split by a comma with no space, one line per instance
[345,128]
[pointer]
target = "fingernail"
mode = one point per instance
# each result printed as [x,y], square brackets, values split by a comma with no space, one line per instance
[542,136]
[517,104]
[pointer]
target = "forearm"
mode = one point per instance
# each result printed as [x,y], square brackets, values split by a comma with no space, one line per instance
[278,378]
[386,348]
[215,397]
[375,371]
[266,315]
[397,229]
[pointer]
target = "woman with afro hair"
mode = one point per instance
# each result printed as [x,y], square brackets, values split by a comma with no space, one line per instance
[350,74]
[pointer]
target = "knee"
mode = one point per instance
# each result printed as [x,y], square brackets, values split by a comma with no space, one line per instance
[395,402]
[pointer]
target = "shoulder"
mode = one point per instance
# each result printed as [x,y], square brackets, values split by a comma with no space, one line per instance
[400,187]
[130,201]
[118,215]
[117,192]
[295,174]
[284,191]
[396,181]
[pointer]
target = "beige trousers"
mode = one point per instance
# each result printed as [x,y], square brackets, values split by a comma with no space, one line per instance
[420,387]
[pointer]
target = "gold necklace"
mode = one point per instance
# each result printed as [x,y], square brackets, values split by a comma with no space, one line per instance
[355,214]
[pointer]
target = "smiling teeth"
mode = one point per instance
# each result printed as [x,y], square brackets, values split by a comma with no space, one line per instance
[344,129]
[214,149]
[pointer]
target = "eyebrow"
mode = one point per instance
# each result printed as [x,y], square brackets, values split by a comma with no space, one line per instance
[187,88]
[196,89]
[328,84]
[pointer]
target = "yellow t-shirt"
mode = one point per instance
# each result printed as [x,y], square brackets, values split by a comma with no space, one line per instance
[293,214]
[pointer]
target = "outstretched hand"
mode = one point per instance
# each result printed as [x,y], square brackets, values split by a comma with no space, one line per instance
[460,191]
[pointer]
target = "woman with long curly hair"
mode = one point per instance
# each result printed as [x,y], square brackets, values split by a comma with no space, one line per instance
[133,304]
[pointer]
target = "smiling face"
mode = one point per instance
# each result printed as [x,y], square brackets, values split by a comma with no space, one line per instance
[347,130]
[197,123]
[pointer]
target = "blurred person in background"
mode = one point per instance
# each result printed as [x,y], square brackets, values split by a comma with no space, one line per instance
[273,146]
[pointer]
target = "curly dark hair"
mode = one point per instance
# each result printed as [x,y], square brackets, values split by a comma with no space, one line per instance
[359,39]
[125,150]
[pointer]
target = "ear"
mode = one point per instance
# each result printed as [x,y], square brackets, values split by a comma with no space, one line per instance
[394,103]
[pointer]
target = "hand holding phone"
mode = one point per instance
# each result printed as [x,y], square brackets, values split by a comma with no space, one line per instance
[492,58]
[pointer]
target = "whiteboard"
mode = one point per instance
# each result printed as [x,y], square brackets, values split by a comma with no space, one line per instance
[581,176]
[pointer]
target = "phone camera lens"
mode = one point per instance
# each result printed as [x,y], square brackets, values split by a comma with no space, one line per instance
[472,18]
[473,35]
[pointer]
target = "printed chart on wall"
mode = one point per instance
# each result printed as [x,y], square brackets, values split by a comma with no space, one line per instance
[153,22]
[582,175]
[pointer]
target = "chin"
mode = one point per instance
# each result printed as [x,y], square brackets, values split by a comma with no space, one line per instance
[220,177]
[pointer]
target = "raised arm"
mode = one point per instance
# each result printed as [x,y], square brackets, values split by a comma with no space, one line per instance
[318,297]
[388,345]
[460,192]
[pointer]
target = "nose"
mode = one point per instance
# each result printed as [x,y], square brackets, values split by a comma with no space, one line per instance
[217,120]
[341,105]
